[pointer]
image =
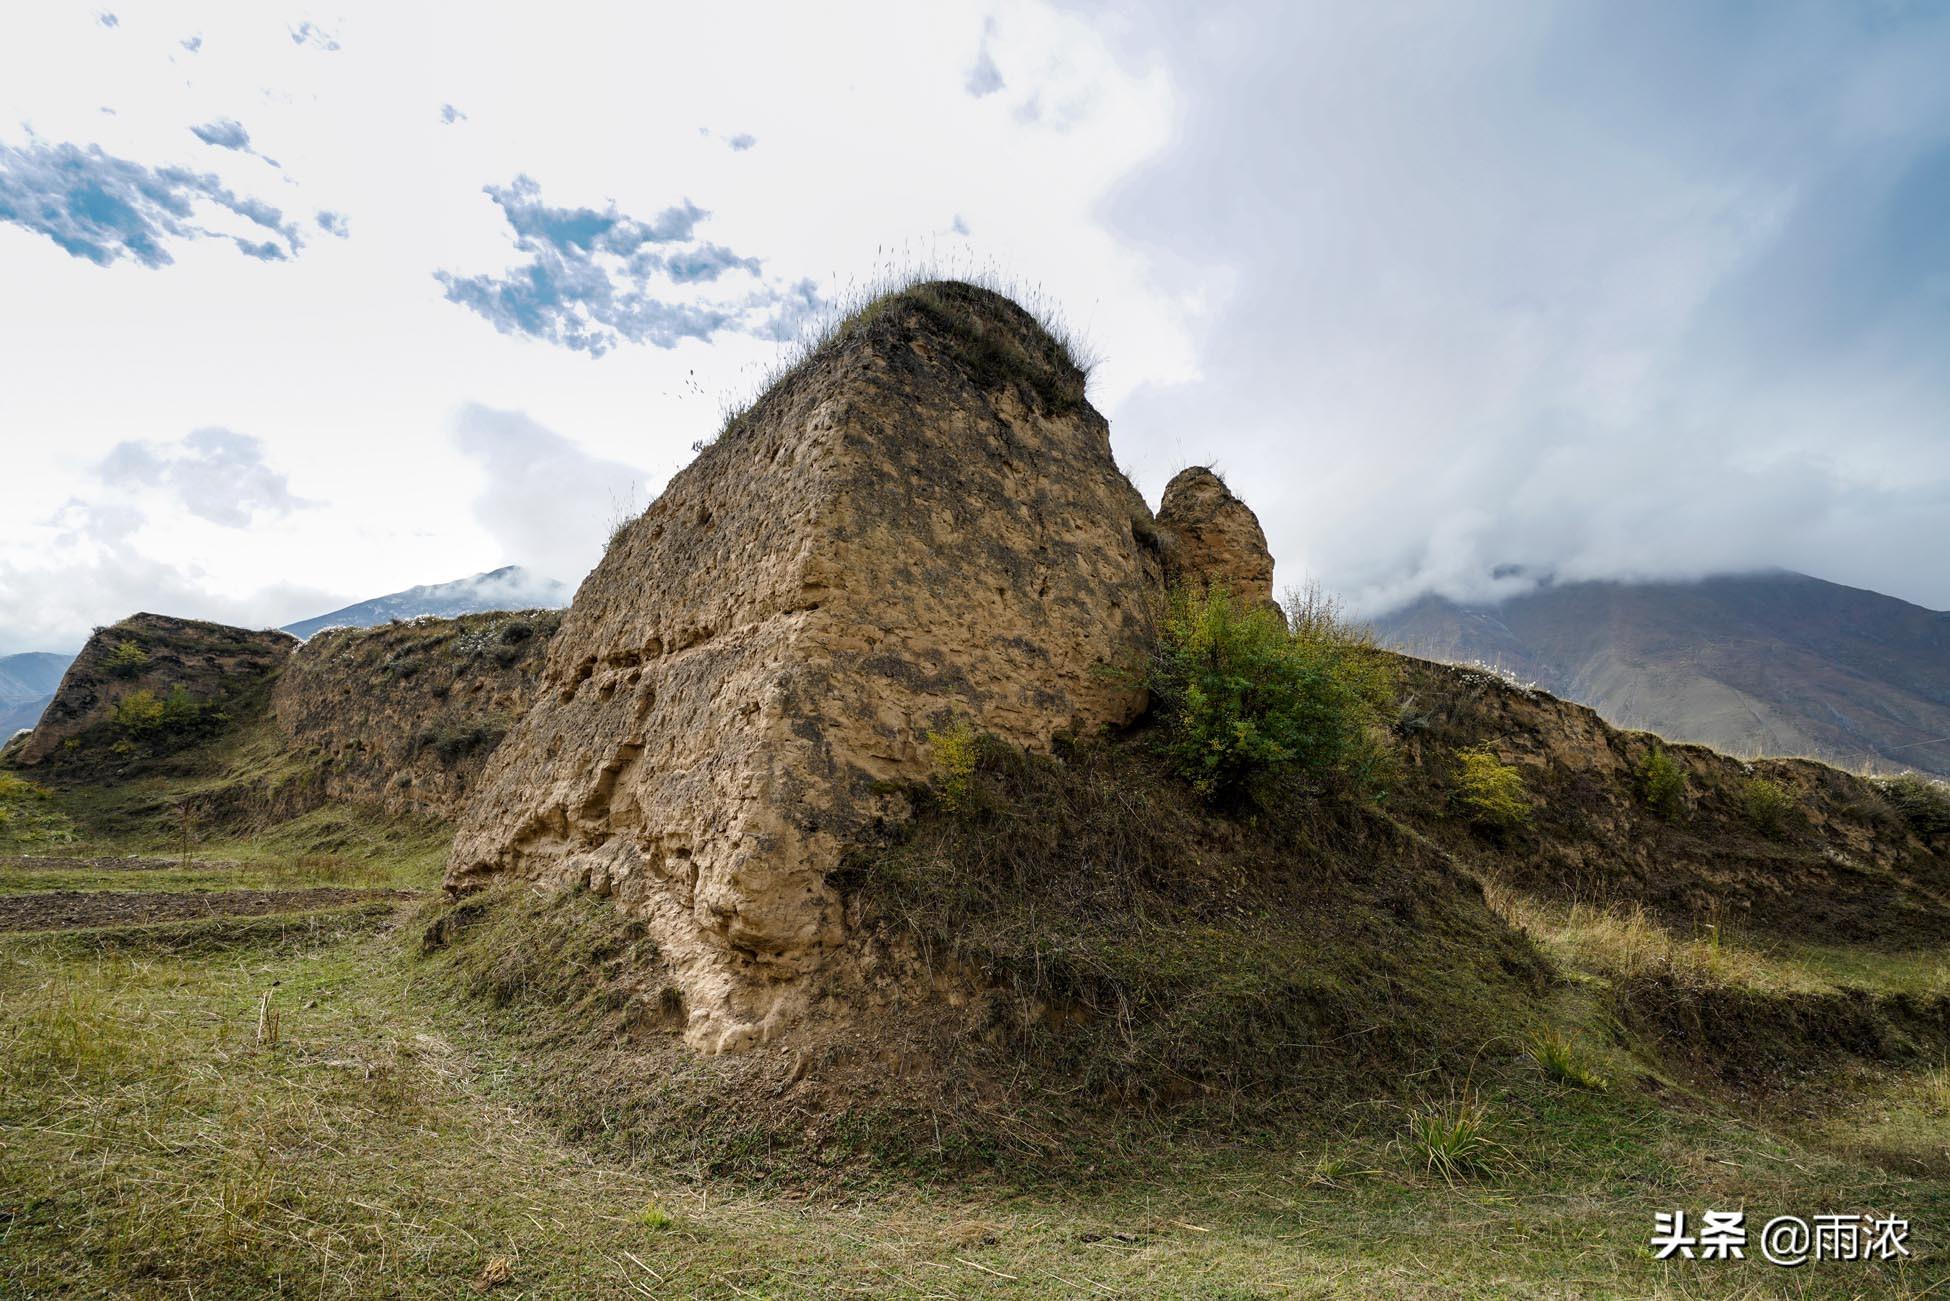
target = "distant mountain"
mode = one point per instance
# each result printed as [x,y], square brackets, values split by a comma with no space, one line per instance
[1773,663]
[27,683]
[509,588]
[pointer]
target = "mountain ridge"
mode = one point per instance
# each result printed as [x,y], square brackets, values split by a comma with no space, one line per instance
[1772,662]
[510,587]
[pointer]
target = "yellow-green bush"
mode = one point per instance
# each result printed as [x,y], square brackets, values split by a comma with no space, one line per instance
[139,711]
[1490,791]
[955,752]
[126,659]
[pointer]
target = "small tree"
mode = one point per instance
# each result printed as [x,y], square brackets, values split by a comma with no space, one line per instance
[1663,783]
[1924,804]
[1766,804]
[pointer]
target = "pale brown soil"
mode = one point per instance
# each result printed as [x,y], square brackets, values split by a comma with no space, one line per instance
[59,910]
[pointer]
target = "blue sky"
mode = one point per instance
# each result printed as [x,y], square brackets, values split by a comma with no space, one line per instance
[309,305]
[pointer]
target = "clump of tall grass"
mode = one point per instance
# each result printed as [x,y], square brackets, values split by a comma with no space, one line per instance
[1453,1138]
[1563,1062]
[1630,943]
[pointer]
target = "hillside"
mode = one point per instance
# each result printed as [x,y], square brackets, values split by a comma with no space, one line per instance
[508,588]
[1775,663]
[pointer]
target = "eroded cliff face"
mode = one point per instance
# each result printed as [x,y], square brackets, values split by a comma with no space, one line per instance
[403,716]
[151,684]
[920,526]
[1838,863]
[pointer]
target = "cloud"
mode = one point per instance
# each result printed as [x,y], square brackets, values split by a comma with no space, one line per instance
[333,223]
[1594,293]
[107,19]
[91,566]
[593,278]
[705,262]
[308,33]
[450,115]
[742,141]
[217,475]
[984,78]
[103,208]
[99,559]
[191,43]
[549,504]
[224,133]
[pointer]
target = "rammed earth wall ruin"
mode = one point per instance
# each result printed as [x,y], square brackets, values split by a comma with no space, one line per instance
[920,525]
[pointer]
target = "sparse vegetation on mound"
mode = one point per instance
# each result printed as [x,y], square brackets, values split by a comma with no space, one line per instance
[992,336]
[1056,946]
[1922,802]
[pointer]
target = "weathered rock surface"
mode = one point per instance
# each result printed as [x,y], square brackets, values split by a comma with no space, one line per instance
[1214,539]
[920,525]
[211,670]
[403,716]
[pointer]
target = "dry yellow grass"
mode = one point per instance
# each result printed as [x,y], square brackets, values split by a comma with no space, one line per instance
[1630,942]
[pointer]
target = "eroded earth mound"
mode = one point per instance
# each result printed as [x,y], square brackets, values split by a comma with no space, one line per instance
[920,527]
[153,681]
[402,716]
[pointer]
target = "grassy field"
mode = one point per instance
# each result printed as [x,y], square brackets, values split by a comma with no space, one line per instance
[383,1145]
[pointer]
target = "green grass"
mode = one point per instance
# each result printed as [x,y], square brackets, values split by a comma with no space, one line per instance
[387,1146]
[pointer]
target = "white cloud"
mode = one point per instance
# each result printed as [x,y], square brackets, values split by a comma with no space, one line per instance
[549,504]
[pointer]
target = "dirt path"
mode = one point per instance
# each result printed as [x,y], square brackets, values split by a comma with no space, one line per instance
[61,910]
[114,863]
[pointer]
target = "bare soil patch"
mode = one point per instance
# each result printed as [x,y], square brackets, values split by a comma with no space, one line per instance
[61,910]
[107,863]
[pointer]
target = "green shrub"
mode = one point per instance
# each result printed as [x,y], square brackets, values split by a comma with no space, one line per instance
[1490,791]
[1246,701]
[1923,803]
[126,660]
[1766,804]
[1662,782]
[139,711]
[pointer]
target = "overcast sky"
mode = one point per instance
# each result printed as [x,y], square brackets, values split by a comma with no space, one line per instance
[307,305]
